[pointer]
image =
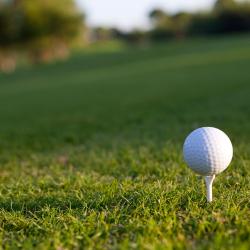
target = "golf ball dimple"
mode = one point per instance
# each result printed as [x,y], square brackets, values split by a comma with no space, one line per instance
[208,151]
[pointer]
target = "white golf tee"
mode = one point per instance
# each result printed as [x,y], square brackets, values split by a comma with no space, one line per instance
[209,186]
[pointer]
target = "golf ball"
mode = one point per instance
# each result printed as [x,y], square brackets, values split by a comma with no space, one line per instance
[208,151]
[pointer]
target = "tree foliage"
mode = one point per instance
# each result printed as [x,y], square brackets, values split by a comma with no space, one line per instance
[23,21]
[222,5]
[227,16]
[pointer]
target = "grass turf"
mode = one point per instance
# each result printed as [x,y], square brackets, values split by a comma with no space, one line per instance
[90,149]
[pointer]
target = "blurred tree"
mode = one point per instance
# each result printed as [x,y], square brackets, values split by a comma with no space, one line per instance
[25,20]
[235,20]
[161,20]
[204,25]
[232,16]
[221,5]
[137,37]
[158,18]
[163,26]
[102,34]
[44,27]
[181,22]
[228,16]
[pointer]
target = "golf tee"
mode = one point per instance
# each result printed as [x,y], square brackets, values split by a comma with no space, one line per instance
[209,186]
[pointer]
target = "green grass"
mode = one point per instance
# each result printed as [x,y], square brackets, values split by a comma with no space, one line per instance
[91,149]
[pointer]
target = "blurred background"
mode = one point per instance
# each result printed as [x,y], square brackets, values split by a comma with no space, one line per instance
[41,31]
[108,71]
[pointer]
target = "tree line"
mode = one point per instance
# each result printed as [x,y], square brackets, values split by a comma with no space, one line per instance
[46,29]
[44,22]
[23,21]
[226,16]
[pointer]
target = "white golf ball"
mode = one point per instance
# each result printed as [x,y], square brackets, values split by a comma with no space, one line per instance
[208,151]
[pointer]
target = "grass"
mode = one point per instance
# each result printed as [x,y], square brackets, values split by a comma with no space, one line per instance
[90,149]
